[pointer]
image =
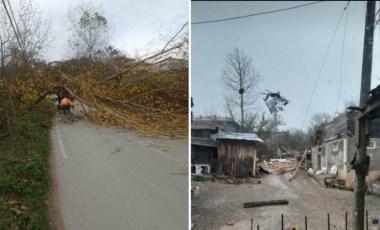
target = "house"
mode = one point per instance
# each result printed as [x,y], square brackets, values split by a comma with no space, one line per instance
[236,153]
[205,126]
[216,147]
[203,148]
[336,145]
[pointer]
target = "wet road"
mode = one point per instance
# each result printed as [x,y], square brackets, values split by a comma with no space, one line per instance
[107,179]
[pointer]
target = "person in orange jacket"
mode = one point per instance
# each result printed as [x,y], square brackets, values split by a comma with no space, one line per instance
[65,105]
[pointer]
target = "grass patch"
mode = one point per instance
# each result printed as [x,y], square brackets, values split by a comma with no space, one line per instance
[24,170]
[200,177]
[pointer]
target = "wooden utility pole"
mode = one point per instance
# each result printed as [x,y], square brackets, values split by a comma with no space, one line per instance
[362,161]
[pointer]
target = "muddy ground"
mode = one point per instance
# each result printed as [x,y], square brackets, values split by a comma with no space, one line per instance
[217,204]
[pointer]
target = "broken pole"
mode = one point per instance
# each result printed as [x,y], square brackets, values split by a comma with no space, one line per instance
[264,203]
[346,222]
[363,139]
[258,227]
[251,223]
[299,165]
[366,218]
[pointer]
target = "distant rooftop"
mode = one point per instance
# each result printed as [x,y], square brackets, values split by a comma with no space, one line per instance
[212,122]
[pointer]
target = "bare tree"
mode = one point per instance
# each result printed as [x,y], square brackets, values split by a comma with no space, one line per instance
[90,31]
[350,102]
[6,38]
[33,28]
[240,80]
[319,119]
[24,30]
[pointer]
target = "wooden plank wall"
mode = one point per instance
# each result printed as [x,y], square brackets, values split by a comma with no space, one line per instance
[236,158]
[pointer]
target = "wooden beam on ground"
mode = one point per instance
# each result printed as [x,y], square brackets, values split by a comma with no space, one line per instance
[265,203]
[299,165]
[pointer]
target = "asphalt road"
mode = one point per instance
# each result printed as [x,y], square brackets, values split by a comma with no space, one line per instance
[107,179]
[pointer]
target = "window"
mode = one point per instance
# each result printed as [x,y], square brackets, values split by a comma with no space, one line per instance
[371,145]
[335,146]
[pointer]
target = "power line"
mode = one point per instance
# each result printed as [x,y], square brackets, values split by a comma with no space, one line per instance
[14,19]
[255,14]
[341,63]
[323,64]
[14,30]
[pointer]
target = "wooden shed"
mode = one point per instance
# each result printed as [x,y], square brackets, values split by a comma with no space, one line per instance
[236,153]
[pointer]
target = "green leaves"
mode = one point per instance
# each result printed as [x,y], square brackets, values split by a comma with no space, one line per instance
[89,19]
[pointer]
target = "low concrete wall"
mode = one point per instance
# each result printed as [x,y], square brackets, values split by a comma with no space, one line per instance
[350,179]
[372,177]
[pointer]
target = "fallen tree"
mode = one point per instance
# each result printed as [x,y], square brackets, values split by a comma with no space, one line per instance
[148,95]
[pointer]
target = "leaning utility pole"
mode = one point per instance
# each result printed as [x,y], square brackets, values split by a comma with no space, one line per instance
[362,161]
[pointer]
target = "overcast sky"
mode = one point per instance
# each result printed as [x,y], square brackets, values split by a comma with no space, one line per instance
[137,25]
[287,49]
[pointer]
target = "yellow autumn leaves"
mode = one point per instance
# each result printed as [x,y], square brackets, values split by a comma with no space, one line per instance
[151,102]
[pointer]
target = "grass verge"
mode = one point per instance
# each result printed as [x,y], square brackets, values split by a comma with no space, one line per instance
[24,170]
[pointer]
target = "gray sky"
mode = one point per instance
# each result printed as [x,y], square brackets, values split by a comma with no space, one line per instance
[137,25]
[287,49]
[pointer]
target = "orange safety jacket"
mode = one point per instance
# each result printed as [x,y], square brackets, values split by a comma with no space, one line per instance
[66,101]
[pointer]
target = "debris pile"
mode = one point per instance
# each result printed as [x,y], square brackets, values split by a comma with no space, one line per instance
[278,167]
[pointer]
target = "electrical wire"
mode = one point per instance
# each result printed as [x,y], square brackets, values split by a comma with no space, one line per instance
[14,30]
[18,40]
[323,64]
[255,14]
[341,64]
[14,19]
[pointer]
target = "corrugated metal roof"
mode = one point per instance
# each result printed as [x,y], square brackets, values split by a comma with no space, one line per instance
[203,142]
[344,125]
[236,136]
[341,126]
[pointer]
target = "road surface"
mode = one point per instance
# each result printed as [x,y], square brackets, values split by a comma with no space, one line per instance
[105,179]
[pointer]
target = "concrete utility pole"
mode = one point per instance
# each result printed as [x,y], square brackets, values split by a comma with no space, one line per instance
[362,162]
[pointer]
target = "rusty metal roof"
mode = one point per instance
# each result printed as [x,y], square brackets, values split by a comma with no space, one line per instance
[236,136]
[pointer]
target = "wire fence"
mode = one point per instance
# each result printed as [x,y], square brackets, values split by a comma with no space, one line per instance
[374,222]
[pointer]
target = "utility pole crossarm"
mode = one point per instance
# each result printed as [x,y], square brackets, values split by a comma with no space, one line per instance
[371,111]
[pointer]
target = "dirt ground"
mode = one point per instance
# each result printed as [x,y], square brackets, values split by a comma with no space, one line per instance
[217,204]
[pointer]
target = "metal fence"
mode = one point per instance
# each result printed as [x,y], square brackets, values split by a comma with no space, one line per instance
[328,226]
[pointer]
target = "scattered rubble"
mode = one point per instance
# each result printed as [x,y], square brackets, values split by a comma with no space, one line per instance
[279,167]
[230,223]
